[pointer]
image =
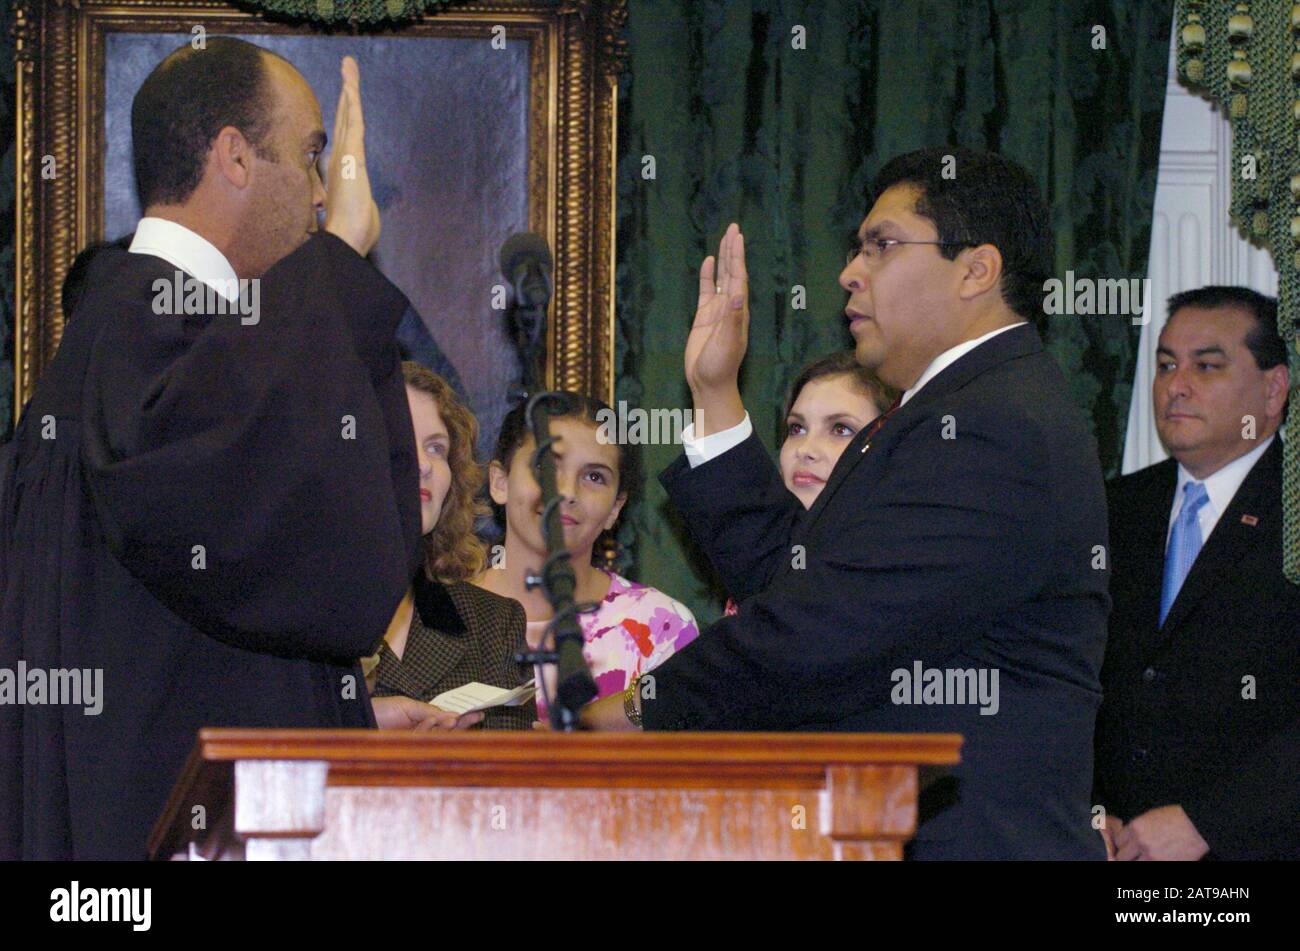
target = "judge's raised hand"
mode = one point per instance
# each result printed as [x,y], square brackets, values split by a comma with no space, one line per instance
[718,338]
[404,713]
[350,209]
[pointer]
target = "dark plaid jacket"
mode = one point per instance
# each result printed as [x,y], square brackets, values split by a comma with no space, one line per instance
[459,634]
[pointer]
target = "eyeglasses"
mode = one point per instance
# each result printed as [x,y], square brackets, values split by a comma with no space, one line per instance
[873,248]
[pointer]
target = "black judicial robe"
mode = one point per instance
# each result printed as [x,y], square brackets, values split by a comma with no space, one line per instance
[284,449]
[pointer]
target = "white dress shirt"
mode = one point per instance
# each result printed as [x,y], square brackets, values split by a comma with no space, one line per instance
[187,250]
[700,451]
[1220,487]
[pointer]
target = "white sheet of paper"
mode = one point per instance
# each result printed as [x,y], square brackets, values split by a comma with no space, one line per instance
[475,696]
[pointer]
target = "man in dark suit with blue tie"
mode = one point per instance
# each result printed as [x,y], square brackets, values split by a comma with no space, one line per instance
[965,535]
[1198,739]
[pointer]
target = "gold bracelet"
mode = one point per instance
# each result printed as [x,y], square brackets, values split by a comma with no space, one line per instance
[629,702]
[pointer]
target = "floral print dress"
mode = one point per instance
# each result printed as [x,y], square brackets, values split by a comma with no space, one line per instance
[635,629]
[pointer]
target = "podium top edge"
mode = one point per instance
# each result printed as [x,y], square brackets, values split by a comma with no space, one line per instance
[853,749]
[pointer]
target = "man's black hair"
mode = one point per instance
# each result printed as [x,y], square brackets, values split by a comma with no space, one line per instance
[189,97]
[977,198]
[1263,340]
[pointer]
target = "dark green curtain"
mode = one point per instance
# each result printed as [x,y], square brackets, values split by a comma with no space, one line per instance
[744,126]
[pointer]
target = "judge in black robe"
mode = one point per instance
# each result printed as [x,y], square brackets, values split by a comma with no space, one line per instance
[220,516]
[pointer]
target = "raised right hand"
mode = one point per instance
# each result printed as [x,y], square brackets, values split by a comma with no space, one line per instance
[718,338]
[350,209]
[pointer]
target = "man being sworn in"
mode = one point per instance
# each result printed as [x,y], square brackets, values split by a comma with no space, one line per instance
[218,508]
[958,540]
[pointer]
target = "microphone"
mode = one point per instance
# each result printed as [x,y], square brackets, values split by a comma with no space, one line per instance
[527,265]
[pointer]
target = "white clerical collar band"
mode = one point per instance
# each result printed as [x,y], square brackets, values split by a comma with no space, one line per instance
[187,250]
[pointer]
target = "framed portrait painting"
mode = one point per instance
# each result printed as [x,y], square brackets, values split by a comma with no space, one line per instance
[483,120]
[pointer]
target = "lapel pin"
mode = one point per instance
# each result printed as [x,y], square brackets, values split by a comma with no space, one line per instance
[1250,520]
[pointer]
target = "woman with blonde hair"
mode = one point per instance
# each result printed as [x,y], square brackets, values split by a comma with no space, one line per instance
[446,632]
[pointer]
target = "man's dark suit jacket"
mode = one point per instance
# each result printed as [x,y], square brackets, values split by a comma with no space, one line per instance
[976,551]
[1175,727]
[459,634]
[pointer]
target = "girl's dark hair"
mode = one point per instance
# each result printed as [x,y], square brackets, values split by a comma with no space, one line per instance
[835,364]
[586,409]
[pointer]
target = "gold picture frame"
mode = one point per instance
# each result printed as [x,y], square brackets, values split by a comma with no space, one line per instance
[575,56]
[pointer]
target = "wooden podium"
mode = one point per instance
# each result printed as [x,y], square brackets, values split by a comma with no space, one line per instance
[365,794]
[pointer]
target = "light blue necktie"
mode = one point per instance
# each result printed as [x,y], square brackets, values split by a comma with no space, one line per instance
[1184,545]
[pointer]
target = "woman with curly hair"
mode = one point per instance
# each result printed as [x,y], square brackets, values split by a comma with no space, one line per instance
[447,633]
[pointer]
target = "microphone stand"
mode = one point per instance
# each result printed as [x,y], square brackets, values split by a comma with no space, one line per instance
[527,323]
[575,687]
